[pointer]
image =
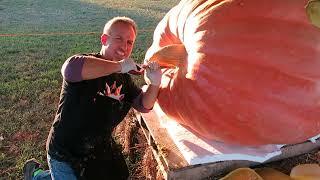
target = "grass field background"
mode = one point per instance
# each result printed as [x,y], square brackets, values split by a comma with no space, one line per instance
[36,37]
[32,51]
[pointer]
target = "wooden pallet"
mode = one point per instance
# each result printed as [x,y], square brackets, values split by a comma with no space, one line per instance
[174,166]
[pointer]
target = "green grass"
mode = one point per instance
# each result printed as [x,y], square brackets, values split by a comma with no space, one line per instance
[30,77]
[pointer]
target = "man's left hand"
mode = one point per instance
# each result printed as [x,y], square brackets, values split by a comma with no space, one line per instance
[153,74]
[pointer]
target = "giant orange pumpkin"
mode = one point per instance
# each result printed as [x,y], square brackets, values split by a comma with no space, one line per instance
[253,70]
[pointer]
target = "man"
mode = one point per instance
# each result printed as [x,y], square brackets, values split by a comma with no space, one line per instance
[96,95]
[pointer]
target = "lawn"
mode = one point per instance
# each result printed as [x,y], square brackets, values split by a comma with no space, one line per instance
[36,37]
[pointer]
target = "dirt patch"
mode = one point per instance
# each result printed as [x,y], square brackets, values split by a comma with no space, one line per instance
[21,136]
[11,145]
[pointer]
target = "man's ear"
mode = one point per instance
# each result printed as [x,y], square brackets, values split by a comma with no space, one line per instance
[103,39]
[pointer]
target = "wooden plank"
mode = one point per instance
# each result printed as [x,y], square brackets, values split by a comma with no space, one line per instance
[296,149]
[165,145]
[202,171]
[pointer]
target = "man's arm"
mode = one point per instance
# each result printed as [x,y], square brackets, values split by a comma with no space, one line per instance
[96,67]
[150,96]
[79,67]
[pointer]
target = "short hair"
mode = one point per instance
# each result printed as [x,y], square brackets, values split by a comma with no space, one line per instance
[120,19]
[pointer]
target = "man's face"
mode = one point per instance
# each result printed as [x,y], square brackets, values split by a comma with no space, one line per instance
[119,42]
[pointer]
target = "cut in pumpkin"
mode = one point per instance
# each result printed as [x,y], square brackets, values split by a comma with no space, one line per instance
[313,11]
[170,56]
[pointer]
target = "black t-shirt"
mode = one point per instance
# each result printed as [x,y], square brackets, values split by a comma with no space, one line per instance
[86,116]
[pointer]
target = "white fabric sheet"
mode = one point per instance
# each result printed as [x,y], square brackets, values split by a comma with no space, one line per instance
[198,150]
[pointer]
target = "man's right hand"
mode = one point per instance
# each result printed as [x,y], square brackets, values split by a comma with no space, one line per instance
[127,65]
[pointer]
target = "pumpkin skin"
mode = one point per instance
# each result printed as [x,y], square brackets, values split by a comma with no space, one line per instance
[252,74]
